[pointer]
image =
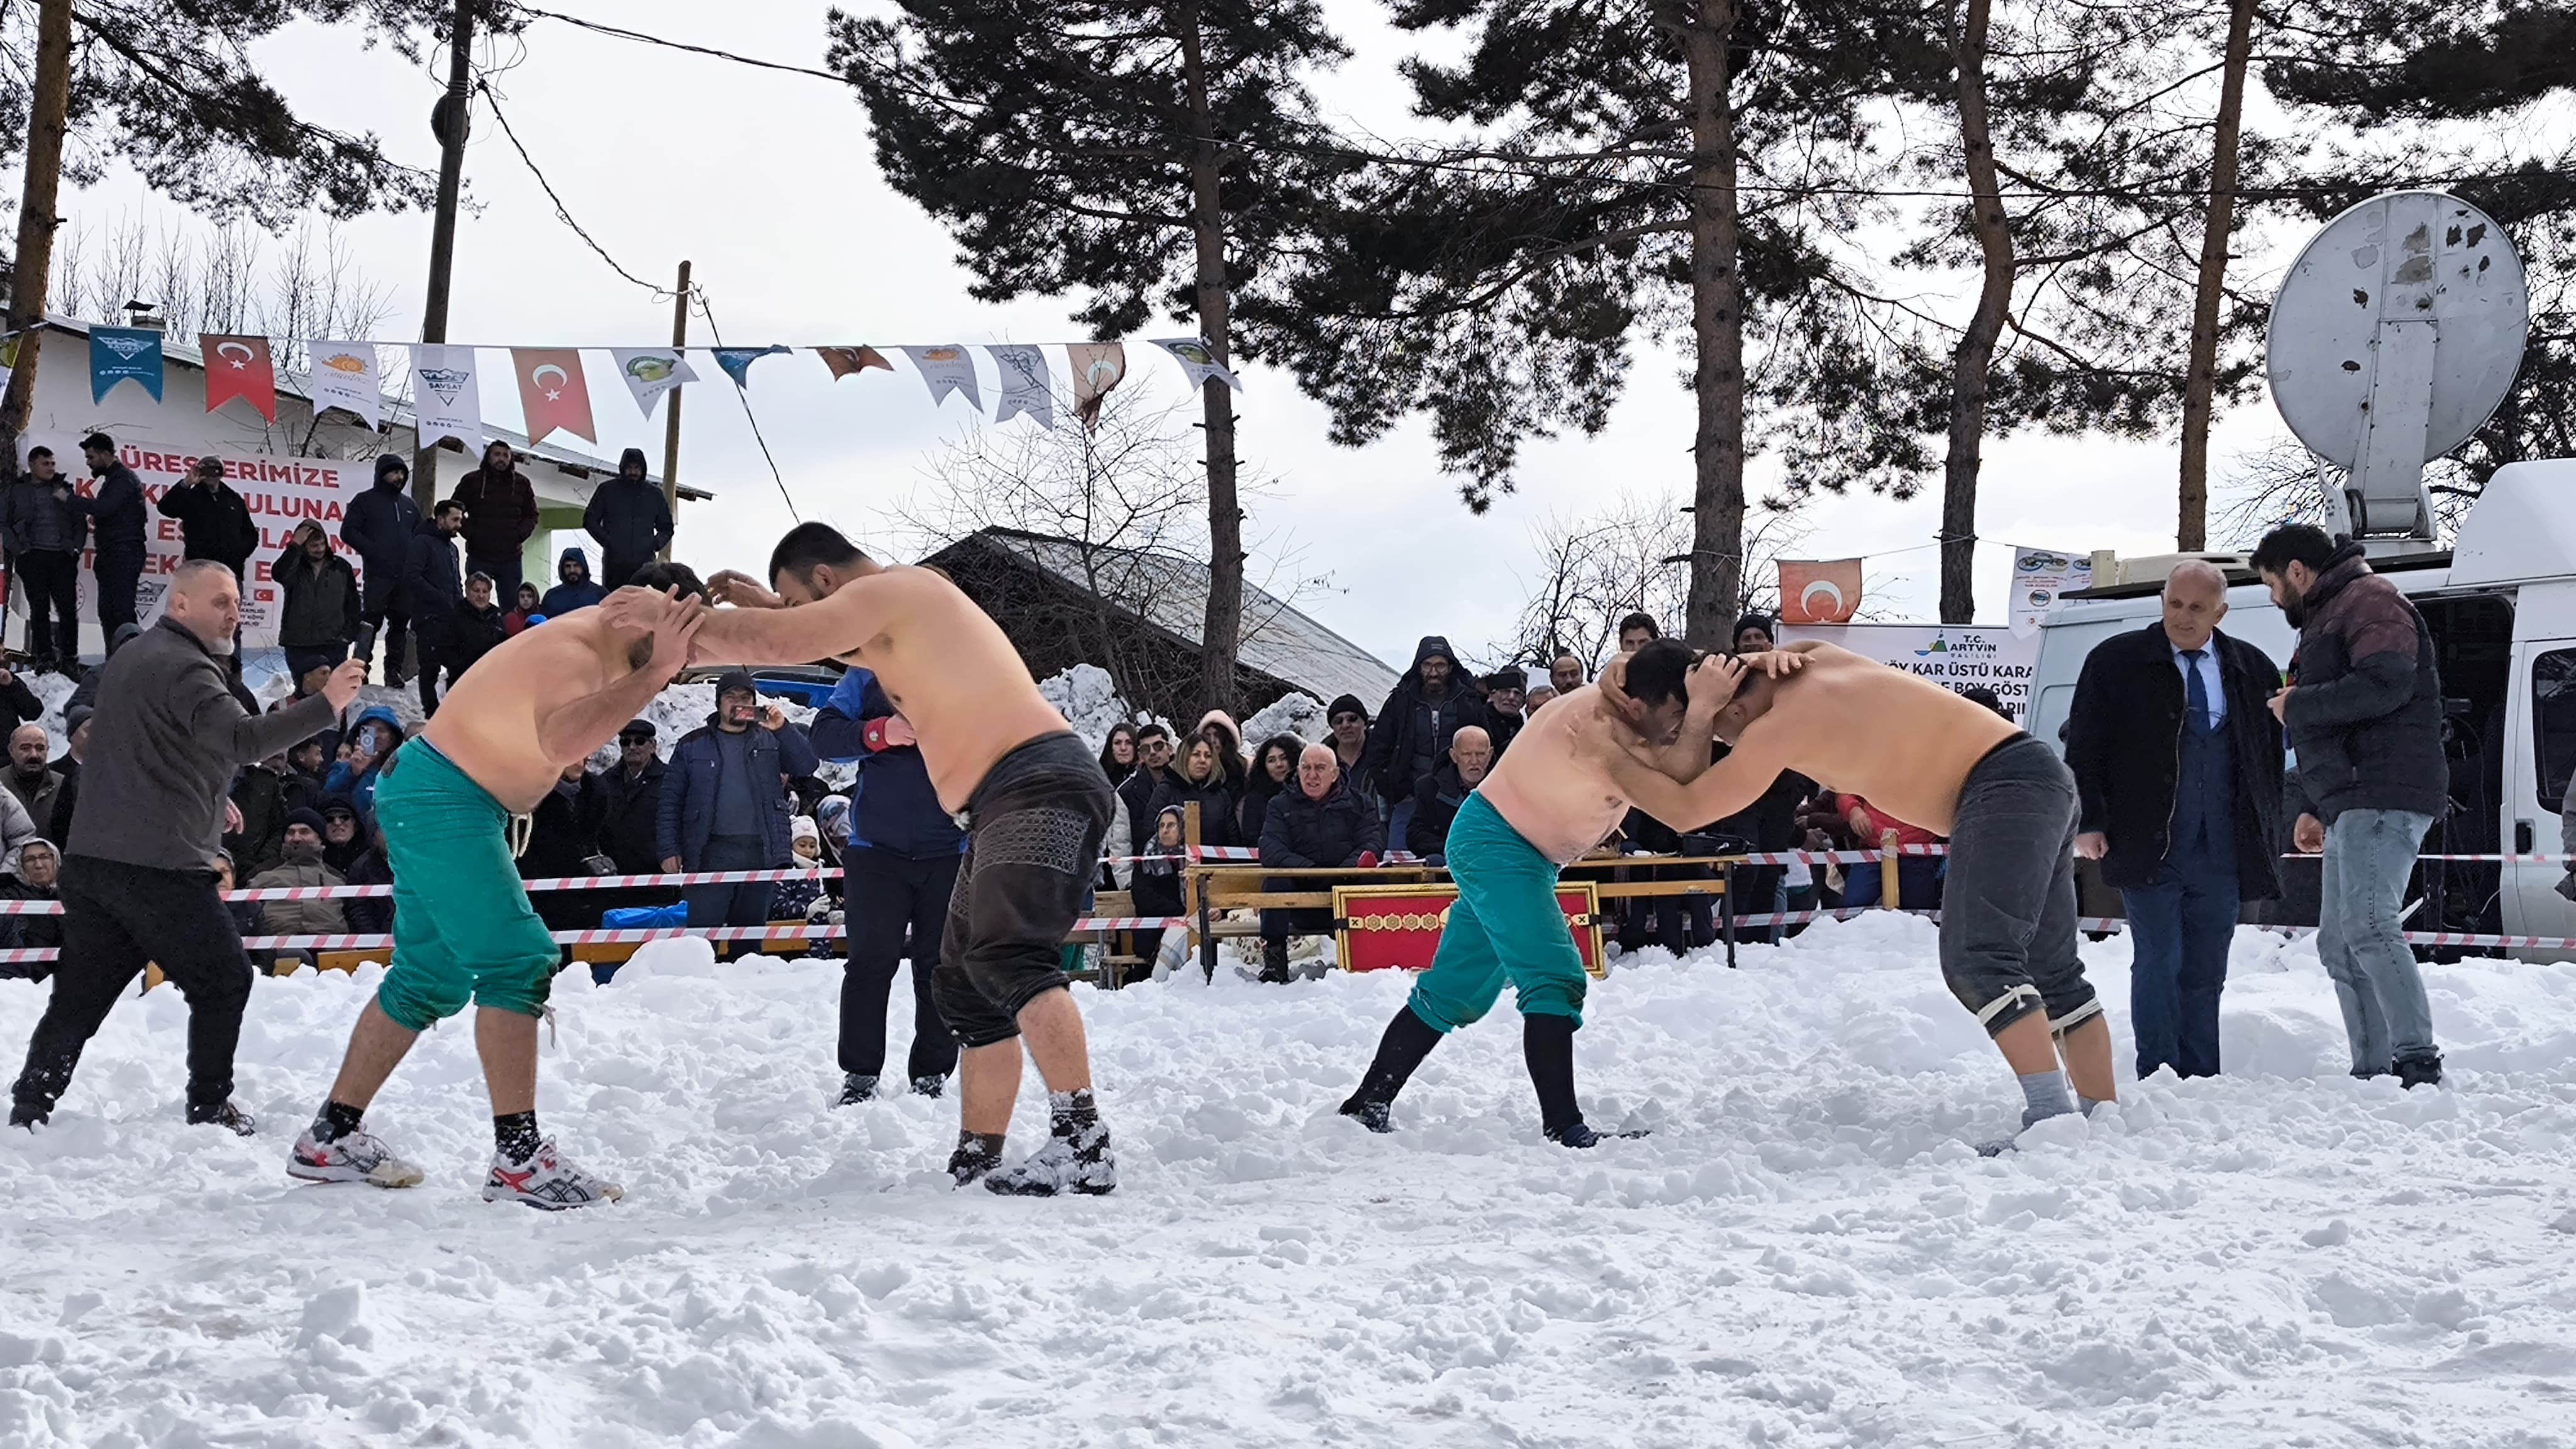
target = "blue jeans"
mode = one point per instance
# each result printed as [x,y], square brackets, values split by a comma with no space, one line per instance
[2360,940]
[2179,928]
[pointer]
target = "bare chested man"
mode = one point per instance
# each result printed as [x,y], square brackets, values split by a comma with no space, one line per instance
[1036,804]
[1551,798]
[454,805]
[1958,769]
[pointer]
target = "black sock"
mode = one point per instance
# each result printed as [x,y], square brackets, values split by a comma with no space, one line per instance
[337,1120]
[515,1133]
[1070,1112]
[1547,1042]
[1407,1041]
[986,1146]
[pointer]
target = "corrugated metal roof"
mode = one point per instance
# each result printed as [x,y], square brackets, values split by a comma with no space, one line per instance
[1276,639]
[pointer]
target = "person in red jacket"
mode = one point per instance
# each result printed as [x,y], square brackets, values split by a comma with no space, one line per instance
[500,516]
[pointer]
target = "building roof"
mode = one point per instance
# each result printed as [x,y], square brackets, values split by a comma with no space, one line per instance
[1277,640]
[398,413]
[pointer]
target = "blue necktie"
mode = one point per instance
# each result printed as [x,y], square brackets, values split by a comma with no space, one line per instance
[2194,689]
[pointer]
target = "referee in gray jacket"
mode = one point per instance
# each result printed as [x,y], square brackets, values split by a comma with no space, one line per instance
[138,875]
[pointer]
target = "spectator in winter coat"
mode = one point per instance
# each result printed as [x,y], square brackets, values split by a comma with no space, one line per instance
[1200,781]
[1349,721]
[795,898]
[318,617]
[1318,825]
[116,514]
[626,801]
[45,533]
[899,860]
[479,629]
[575,589]
[1135,808]
[1506,694]
[372,742]
[2177,764]
[1756,634]
[562,840]
[68,765]
[371,915]
[1430,704]
[1157,880]
[2363,711]
[300,866]
[36,878]
[500,515]
[1232,761]
[259,794]
[724,802]
[378,528]
[85,694]
[36,784]
[18,703]
[1118,754]
[1274,768]
[214,521]
[1437,796]
[525,609]
[434,589]
[344,839]
[629,519]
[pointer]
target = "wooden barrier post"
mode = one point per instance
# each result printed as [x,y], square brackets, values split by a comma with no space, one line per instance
[1207,918]
[1887,870]
[1726,909]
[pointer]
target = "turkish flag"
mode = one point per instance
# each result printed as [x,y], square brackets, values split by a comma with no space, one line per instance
[1819,592]
[239,367]
[552,392]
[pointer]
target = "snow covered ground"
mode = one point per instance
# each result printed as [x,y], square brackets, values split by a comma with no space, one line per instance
[1806,1251]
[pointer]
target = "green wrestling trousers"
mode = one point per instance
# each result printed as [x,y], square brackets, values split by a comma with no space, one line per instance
[463,928]
[1504,926]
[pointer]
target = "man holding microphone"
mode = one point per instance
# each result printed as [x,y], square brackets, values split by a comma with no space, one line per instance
[138,876]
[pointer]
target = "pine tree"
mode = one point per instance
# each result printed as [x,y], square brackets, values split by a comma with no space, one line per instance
[1152,157]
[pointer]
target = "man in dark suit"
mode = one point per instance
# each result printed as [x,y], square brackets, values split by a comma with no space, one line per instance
[2177,763]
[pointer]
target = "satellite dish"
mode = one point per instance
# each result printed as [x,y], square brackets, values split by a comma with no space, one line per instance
[2394,336]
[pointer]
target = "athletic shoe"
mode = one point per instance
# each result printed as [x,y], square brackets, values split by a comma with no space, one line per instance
[930,1086]
[856,1088]
[1079,1163]
[546,1181]
[1372,1113]
[225,1115]
[358,1157]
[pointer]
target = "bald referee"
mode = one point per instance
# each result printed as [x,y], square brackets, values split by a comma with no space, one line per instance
[138,876]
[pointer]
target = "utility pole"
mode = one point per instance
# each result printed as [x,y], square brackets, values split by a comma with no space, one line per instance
[32,269]
[671,422]
[448,122]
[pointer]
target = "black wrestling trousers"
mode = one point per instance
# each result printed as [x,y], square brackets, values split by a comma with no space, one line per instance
[892,899]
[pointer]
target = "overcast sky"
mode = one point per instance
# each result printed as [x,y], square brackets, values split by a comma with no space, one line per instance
[766,182]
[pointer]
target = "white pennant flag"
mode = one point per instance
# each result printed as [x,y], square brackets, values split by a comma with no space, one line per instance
[344,376]
[446,400]
[1198,361]
[945,370]
[651,372]
[1025,388]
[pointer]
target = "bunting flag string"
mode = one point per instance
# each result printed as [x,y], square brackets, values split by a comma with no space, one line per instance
[846,360]
[239,367]
[1025,385]
[119,353]
[945,369]
[737,361]
[344,376]
[552,392]
[1097,367]
[651,372]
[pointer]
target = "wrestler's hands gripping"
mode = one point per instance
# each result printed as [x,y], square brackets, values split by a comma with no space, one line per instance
[742,591]
[671,621]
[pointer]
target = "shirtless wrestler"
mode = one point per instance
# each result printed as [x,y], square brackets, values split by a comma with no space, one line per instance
[454,805]
[1035,805]
[1955,768]
[1547,801]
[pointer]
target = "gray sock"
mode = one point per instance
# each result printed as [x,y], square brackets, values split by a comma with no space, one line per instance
[2044,1096]
[2087,1104]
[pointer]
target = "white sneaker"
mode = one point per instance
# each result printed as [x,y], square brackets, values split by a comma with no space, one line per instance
[358,1157]
[546,1181]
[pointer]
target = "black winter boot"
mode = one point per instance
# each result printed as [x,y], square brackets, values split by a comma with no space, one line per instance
[2422,1069]
[1274,962]
[1407,1041]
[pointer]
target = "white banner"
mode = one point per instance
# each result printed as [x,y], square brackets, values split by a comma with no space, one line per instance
[1198,361]
[281,492]
[2039,576]
[651,372]
[446,396]
[1958,657]
[344,376]
[947,369]
[1025,388]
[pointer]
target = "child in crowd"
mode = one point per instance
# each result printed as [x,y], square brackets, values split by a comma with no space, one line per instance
[796,895]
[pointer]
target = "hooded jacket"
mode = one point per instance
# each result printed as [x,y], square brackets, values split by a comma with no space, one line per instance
[214,522]
[500,512]
[378,528]
[321,603]
[628,517]
[37,522]
[894,807]
[360,786]
[433,585]
[1411,735]
[563,598]
[2365,709]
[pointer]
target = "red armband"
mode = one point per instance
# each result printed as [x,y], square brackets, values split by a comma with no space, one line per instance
[872,734]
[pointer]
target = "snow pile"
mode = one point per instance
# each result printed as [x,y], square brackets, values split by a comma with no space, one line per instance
[1295,714]
[1088,700]
[1805,1253]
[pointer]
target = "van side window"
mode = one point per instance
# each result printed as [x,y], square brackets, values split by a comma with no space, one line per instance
[2553,724]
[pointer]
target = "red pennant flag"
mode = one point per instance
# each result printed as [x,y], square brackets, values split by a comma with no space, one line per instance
[846,360]
[239,367]
[1819,592]
[552,392]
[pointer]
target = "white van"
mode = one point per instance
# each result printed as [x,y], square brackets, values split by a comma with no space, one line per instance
[2501,607]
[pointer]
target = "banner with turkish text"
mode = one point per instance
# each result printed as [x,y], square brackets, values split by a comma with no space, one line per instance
[1958,657]
[946,369]
[552,392]
[1819,591]
[344,376]
[280,492]
[239,367]
[117,354]
[446,397]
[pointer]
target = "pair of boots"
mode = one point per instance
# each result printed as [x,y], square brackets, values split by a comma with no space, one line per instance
[1547,1044]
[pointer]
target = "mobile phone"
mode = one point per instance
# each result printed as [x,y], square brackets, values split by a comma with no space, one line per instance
[365,644]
